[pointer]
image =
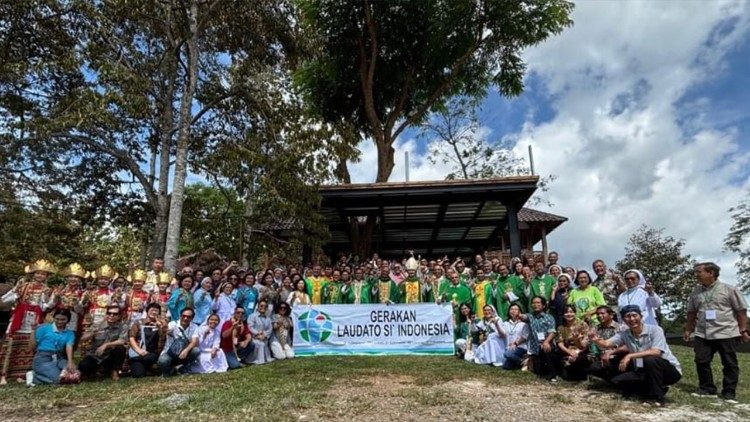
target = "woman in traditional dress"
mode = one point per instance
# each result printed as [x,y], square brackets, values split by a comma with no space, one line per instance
[573,345]
[280,339]
[261,329]
[492,350]
[181,298]
[161,296]
[224,305]
[517,334]
[247,295]
[299,295]
[32,299]
[70,298]
[137,297]
[285,290]
[560,297]
[53,344]
[211,358]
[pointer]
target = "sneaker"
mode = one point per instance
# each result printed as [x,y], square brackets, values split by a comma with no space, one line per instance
[704,395]
[729,399]
[30,378]
[554,380]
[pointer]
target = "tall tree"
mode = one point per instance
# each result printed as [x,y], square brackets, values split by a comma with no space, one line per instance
[660,258]
[384,65]
[738,241]
[124,92]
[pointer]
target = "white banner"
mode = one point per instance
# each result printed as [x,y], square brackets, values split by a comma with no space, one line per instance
[424,328]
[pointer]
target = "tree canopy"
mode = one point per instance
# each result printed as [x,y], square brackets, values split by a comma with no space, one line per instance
[384,65]
[738,241]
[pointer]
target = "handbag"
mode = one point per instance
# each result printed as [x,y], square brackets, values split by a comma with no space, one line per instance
[132,354]
[178,344]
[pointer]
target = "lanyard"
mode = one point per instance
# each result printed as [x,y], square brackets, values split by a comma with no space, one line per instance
[708,298]
[636,343]
[629,296]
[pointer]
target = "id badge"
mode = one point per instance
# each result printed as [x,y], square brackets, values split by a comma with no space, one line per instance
[710,314]
[54,357]
[540,336]
[639,362]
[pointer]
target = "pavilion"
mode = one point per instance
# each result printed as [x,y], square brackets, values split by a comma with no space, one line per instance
[433,218]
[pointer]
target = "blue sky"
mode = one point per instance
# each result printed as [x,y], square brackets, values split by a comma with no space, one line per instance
[642,111]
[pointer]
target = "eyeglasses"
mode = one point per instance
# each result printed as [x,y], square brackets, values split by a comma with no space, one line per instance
[113,314]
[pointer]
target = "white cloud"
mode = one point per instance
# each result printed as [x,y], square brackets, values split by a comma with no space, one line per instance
[621,156]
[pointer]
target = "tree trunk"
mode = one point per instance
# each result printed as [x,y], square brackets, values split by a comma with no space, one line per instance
[385,158]
[180,167]
[159,240]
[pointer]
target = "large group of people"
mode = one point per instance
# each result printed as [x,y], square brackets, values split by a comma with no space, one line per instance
[553,320]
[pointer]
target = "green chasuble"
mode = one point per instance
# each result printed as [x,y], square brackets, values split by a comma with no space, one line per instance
[505,285]
[387,290]
[542,286]
[463,295]
[332,293]
[357,292]
[411,291]
[315,288]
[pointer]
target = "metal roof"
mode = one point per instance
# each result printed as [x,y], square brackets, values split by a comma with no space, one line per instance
[431,218]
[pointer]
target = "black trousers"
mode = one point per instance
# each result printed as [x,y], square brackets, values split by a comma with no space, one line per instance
[90,365]
[651,381]
[139,366]
[546,364]
[604,371]
[704,354]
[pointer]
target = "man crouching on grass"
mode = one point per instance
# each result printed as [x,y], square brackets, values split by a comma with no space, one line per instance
[648,367]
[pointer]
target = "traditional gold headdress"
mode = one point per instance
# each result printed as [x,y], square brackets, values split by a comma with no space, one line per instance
[42,265]
[105,271]
[138,275]
[164,278]
[75,269]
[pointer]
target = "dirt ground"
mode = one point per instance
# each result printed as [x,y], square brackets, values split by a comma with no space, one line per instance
[400,398]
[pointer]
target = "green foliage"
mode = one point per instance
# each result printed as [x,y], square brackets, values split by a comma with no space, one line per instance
[384,65]
[212,218]
[738,241]
[660,259]
[35,231]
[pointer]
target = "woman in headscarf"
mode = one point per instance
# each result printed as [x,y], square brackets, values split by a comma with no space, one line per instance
[261,329]
[282,332]
[555,271]
[202,301]
[224,304]
[492,350]
[211,358]
[560,297]
[641,293]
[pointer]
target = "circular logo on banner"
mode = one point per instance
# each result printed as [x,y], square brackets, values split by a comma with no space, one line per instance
[314,326]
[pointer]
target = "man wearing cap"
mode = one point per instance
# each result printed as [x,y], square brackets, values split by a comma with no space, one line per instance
[647,367]
[717,316]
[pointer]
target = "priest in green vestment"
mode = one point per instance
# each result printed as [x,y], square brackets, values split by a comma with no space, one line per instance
[542,284]
[332,290]
[386,290]
[315,285]
[509,290]
[358,290]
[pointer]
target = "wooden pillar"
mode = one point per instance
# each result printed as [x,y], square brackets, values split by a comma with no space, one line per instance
[306,254]
[544,244]
[513,230]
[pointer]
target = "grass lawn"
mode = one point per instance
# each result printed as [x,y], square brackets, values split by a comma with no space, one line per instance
[361,388]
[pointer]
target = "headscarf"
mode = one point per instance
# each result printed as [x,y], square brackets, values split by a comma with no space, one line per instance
[558,267]
[570,279]
[641,278]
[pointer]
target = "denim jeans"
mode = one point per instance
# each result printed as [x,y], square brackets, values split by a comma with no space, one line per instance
[514,357]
